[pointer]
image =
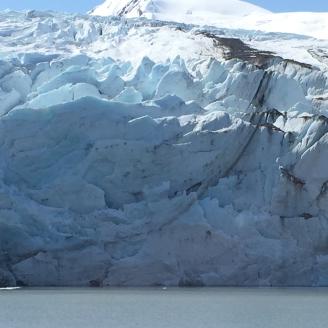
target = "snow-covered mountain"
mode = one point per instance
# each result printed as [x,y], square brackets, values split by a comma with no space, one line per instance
[143,152]
[173,8]
[220,13]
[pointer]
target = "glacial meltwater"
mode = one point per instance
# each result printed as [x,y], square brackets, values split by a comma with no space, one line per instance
[164,308]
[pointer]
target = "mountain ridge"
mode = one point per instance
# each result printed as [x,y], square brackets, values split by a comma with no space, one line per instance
[135,8]
[223,13]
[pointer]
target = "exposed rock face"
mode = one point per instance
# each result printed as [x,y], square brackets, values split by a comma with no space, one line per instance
[207,168]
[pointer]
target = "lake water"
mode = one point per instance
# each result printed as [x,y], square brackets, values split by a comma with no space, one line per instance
[159,308]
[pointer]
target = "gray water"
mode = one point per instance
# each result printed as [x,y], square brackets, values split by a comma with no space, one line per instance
[159,308]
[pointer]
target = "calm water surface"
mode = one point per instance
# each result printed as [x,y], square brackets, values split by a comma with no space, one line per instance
[158,308]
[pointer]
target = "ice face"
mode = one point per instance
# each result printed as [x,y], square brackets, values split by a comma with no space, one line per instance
[201,165]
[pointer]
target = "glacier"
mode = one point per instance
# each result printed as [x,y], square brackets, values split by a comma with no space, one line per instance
[139,152]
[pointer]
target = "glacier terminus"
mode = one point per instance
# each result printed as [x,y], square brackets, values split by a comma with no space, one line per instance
[137,150]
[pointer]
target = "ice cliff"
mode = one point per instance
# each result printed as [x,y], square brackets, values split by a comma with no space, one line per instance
[139,152]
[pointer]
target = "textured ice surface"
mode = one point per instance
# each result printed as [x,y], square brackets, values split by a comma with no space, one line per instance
[138,152]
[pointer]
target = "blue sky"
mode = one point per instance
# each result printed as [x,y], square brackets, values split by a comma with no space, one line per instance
[85,5]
